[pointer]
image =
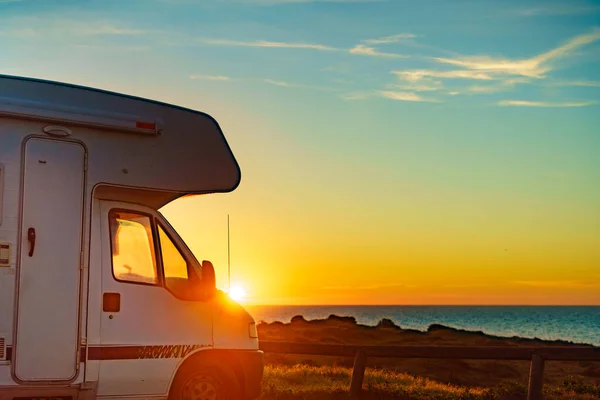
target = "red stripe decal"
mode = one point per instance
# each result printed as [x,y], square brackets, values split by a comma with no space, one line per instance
[142,352]
[97,353]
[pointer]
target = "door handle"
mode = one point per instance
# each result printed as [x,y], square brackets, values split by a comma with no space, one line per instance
[31,239]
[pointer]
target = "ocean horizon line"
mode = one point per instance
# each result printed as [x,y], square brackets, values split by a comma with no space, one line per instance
[419,305]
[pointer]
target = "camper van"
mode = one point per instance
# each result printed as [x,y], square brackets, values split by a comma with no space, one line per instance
[99,296]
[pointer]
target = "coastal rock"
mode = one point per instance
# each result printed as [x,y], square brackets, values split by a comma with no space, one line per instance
[334,317]
[387,323]
[297,318]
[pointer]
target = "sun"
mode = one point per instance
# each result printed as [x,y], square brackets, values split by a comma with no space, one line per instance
[237,293]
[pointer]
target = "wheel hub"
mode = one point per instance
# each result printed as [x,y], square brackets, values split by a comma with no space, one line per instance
[202,387]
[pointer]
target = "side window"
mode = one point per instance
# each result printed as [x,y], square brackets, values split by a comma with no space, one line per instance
[133,253]
[176,272]
[174,264]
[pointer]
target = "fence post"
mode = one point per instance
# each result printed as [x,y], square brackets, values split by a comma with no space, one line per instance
[536,376]
[358,373]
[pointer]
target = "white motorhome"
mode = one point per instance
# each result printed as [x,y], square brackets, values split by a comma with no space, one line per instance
[99,296]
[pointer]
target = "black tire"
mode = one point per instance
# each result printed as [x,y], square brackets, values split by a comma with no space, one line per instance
[205,381]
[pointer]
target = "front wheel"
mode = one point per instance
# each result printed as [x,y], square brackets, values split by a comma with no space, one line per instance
[205,382]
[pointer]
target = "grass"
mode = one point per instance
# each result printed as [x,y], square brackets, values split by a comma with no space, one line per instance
[304,382]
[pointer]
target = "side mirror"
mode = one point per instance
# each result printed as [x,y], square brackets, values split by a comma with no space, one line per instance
[209,282]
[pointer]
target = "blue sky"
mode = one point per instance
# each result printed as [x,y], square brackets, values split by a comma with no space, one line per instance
[367,131]
[504,53]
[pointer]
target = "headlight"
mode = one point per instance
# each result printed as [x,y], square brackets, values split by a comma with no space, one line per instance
[252,331]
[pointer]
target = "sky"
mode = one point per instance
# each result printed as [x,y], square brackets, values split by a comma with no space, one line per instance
[392,152]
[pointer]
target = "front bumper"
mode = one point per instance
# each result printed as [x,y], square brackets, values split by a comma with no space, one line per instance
[252,363]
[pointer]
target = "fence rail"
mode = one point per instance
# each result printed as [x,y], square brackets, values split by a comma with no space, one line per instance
[536,355]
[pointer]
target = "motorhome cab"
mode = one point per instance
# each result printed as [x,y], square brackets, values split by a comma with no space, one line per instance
[99,296]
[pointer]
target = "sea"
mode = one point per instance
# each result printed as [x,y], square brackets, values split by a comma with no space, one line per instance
[578,324]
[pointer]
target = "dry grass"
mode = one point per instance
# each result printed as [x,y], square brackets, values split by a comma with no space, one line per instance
[300,382]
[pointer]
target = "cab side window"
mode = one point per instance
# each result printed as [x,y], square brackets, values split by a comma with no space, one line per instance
[180,278]
[174,265]
[133,251]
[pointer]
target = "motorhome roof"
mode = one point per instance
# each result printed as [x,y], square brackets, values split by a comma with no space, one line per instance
[163,147]
[104,91]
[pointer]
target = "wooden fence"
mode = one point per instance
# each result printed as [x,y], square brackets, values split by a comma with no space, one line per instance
[536,355]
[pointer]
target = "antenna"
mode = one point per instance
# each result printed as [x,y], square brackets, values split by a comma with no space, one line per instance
[228,258]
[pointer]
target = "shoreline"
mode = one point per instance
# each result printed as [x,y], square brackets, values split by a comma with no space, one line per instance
[389,323]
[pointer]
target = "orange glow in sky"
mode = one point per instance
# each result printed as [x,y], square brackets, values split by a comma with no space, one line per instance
[303,259]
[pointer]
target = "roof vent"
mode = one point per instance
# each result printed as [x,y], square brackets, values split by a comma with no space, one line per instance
[55,130]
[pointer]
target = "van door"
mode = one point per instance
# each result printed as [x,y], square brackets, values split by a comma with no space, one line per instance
[148,323]
[50,261]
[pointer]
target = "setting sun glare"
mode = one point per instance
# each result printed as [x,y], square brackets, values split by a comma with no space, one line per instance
[237,293]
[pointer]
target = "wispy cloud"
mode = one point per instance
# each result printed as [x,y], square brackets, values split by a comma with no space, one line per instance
[363,50]
[525,103]
[286,84]
[359,49]
[491,87]
[281,2]
[279,83]
[390,39]
[404,96]
[33,27]
[534,67]
[211,77]
[514,81]
[485,89]
[426,84]
[556,10]
[358,95]
[117,48]
[559,284]
[419,74]
[576,83]
[416,87]
[105,29]
[503,86]
[266,43]
[498,74]
[296,85]
[387,94]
